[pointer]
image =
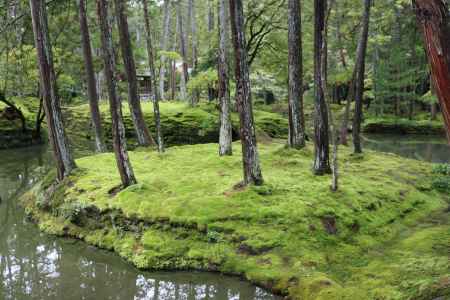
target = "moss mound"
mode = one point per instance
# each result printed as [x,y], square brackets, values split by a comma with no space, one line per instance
[181,124]
[384,235]
[403,126]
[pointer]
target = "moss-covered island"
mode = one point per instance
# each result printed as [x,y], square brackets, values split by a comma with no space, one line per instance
[384,235]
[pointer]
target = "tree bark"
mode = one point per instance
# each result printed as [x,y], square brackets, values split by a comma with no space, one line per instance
[90,78]
[434,21]
[359,79]
[142,132]
[296,115]
[193,20]
[153,83]
[164,42]
[183,50]
[58,139]
[118,128]
[252,170]
[226,133]
[321,126]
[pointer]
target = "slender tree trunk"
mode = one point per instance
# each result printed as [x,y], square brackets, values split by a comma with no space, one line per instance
[118,128]
[321,126]
[252,170]
[153,83]
[90,78]
[296,115]
[183,50]
[193,20]
[164,47]
[226,133]
[434,21]
[142,132]
[58,139]
[359,79]
[210,16]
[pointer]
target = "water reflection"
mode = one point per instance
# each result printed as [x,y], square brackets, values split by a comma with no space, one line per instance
[427,148]
[36,266]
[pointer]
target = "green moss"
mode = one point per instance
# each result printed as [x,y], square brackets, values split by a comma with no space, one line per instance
[377,238]
[392,124]
[181,124]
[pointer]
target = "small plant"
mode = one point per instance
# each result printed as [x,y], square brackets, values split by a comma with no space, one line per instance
[213,237]
[442,169]
[442,184]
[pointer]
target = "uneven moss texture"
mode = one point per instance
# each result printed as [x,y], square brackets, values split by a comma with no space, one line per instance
[391,124]
[384,235]
[11,134]
[181,124]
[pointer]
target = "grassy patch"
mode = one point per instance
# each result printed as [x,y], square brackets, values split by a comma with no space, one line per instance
[377,238]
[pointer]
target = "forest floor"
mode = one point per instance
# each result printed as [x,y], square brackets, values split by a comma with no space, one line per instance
[384,235]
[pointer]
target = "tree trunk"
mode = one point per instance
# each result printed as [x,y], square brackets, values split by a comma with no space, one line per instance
[164,42]
[226,133]
[359,79]
[153,83]
[183,50]
[58,139]
[193,20]
[118,128]
[142,132]
[321,126]
[252,170]
[90,78]
[210,16]
[434,21]
[296,115]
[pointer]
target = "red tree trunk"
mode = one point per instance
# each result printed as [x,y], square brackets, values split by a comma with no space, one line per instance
[433,19]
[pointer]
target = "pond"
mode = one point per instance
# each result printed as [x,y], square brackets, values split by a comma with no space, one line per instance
[37,266]
[433,149]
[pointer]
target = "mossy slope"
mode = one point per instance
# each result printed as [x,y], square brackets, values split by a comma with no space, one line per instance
[181,124]
[379,237]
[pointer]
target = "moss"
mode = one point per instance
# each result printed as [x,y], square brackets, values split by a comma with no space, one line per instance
[377,238]
[392,124]
[181,124]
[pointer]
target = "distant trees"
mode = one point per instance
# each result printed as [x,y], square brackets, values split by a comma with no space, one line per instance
[250,157]
[118,128]
[164,47]
[49,91]
[90,77]
[296,116]
[434,21]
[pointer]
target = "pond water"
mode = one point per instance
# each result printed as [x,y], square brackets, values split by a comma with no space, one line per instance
[433,149]
[37,266]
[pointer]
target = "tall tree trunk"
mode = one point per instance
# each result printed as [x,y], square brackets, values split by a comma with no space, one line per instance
[296,115]
[153,83]
[434,21]
[90,78]
[359,79]
[321,126]
[142,132]
[118,128]
[226,133]
[183,50]
[58,139]
[250,157]
[194,38]
[210,16]
[164,47]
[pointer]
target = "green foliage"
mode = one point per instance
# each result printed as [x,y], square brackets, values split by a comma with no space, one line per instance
[202,81]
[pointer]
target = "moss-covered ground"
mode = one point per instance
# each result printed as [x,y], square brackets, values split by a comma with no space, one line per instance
[181,124]
[384,235]
[392,124]
[11,133]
